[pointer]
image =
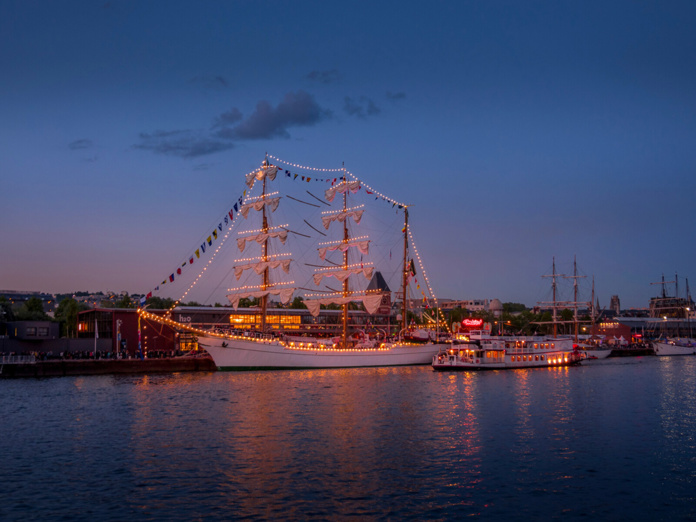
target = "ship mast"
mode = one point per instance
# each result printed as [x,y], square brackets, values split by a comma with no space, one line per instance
[553,286]
[264,254]
[575,278]
[345,264]
[404,307]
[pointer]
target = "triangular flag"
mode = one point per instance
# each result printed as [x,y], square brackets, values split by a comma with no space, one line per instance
[198,254]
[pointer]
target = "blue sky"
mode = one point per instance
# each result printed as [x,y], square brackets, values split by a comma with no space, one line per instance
[518,131]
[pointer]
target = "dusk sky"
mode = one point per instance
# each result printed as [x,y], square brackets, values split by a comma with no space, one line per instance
[518,131]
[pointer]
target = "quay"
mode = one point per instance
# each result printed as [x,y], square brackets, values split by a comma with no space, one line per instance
[21,367]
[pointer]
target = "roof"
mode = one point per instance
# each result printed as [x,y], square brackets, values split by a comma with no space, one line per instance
[378,283]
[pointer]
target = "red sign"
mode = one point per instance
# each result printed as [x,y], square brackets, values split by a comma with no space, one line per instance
[472,324]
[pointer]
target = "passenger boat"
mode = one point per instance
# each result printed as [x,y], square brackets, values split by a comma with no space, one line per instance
[485,352]
[677,346]
[345,258]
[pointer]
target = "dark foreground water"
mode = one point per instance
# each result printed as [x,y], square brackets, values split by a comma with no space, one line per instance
[613,440]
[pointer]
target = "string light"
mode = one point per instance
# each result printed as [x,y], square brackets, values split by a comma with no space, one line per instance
[205,268]
[354,265]
[284,227]
[261,258]
[258,198]
[260,287]
[352,209]
[353,293]
[377,193]
[302,166]
[427,280]
[349,240]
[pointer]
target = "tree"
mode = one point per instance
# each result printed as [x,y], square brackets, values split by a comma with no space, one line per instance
[512,308]
[456,315]
[298,303]
[6,312]
[125,302]
[160,303]
[32,310]
[67,313]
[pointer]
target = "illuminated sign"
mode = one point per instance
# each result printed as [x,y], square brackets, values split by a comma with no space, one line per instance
[472,323]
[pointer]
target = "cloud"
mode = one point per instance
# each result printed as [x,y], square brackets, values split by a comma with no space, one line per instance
[297,109]
[361,107]
[182,143]
[330,76]
[210,81]
[80,144]
[228,118]
[394,96]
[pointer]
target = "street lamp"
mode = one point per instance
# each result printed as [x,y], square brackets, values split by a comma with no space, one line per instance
[688,320]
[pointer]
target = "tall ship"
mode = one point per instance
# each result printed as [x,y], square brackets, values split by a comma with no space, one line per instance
[673,308]
[340,257]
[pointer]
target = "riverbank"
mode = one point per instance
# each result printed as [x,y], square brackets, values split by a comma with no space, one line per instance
[74,367]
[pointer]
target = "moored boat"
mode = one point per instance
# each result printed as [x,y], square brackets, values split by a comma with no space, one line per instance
[677,346]
[346,258]
[485,352]
[592,351]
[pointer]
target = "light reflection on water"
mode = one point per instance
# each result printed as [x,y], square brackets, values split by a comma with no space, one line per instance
[601,440]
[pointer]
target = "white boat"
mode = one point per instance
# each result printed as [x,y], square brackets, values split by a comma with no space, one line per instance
[591,351]
[486,352]
[270,352]
[340,258]
[677,346]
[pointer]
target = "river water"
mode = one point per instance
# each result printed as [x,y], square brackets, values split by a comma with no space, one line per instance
[612,439]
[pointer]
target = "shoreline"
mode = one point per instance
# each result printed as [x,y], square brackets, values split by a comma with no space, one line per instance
[78,367]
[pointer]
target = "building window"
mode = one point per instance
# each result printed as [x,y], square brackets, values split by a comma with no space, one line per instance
[43,331]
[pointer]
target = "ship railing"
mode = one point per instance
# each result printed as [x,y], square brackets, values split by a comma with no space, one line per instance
[18,359]
[251,334]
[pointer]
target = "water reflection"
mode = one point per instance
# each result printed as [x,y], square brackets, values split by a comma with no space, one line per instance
[400,443]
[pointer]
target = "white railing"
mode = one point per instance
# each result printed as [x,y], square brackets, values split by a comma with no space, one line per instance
[18,359]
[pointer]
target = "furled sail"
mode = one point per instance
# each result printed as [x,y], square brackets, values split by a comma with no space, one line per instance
[342,275]
[285,295]
[341,216]
[271,203]
[262,265]
[341,188]
[261,237]
[269,172]
[363,247]
[370,302]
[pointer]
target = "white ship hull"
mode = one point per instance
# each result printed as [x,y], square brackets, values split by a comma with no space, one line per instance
[243,354]
[674,349]
[596,354]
